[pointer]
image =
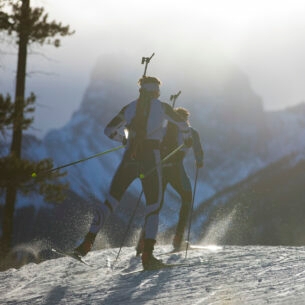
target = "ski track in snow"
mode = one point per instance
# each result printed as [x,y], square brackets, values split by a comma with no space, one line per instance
[216,275]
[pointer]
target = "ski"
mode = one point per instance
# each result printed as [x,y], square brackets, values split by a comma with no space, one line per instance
[174,251]
[70,254]
[165,266]
[190,247]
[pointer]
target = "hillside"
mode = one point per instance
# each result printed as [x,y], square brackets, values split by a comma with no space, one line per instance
[264,209]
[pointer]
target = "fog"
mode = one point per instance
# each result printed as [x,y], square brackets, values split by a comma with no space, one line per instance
[264,39]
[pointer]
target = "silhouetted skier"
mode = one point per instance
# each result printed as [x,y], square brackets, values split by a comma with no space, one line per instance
[144,119]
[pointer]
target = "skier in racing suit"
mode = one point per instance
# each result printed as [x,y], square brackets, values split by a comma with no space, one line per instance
[173,173]
[144,119]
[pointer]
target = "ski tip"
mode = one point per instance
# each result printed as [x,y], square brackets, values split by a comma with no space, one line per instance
[70,254]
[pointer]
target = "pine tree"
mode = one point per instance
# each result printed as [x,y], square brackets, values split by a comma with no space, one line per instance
[27,26]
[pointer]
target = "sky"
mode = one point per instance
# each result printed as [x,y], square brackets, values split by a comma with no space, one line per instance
[264,38]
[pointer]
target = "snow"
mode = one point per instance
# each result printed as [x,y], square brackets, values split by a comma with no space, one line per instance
[215,275]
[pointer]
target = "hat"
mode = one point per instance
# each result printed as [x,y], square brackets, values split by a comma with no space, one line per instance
[149,83]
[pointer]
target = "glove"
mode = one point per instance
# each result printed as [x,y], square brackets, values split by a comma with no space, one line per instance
[124,141]
[188,142]
[113,135]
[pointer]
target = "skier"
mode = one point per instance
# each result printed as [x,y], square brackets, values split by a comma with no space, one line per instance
[173,173]
[144,119]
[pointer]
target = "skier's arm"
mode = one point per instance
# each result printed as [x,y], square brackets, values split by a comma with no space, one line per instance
[175,118]
[112,130]
[197,148]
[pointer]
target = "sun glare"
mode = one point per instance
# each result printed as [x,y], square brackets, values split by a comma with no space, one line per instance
[246,31]
[233,15]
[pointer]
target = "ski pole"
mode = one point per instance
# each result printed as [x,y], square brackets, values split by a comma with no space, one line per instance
[34,175]
[173,98]
[192,208]
[142,176]
[128,228]
[146,60]
[139,200]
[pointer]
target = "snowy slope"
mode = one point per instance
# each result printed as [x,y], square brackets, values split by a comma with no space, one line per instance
[216,275]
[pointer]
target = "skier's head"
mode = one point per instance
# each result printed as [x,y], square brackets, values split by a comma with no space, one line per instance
[183,113]
[149,86]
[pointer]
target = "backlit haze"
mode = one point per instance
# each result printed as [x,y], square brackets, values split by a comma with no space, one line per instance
[265,39]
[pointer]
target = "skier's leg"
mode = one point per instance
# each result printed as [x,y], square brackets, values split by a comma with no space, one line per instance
[181,183]
[140,244]
[152,186]
[123,177]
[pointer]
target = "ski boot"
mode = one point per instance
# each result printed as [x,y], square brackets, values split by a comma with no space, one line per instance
[86,245]
[149,262]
